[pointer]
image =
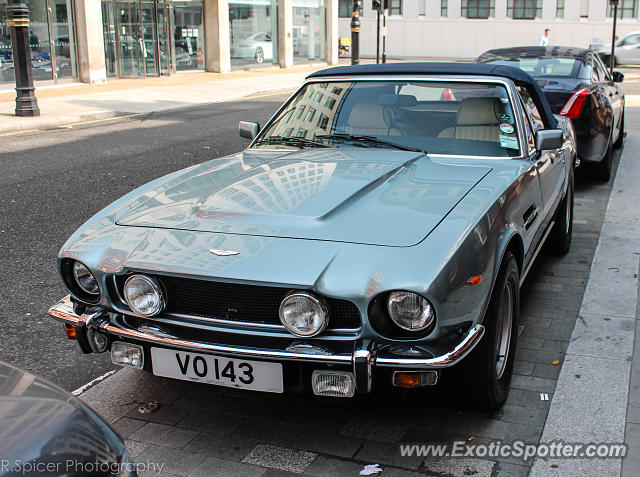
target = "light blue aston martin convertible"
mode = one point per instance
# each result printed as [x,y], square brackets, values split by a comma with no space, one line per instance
[375,233]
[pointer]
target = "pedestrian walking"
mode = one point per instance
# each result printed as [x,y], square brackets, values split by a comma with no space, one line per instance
[544,39]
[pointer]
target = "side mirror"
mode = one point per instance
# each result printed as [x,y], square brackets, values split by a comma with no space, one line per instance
[549,139]
[618,77]
[248,130]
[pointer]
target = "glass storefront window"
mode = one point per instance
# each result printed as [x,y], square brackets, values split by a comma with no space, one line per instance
[309,31]
[253,27]
[51,22]
[189,35]
[63,38]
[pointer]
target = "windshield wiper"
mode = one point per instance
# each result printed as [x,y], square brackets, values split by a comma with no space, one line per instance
[292,141]
[370,140]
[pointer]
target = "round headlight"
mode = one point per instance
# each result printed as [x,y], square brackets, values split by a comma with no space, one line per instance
[143,295]
[410,311]
[85,279]
[303,314]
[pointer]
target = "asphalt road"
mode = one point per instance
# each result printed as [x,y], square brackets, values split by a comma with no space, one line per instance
[51,182]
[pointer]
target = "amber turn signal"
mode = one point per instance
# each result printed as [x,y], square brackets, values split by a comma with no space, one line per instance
[70,331]
[414,379]
[473,281]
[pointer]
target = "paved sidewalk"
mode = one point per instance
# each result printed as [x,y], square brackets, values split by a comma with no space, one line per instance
[70,104]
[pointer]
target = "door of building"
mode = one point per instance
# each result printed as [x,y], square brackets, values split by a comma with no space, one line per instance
[136,37]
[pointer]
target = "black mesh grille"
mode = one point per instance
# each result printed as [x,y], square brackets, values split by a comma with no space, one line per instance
[243,303]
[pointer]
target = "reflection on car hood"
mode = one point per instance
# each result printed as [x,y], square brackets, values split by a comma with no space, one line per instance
[358,195]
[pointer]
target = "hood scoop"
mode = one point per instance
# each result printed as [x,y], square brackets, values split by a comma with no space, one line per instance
[368,196]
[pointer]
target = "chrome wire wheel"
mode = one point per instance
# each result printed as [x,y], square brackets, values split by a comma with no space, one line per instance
[505,324]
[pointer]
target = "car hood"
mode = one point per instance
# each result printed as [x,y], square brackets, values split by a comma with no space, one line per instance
[356,195]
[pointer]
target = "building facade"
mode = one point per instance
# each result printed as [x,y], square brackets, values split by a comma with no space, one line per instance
[466,28]
[94,40]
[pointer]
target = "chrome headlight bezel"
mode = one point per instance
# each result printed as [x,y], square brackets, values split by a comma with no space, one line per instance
[153,285]
[424,316]
[315,302]
[69,269]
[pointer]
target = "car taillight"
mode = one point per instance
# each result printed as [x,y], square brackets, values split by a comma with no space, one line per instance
[573,107]
[449,95]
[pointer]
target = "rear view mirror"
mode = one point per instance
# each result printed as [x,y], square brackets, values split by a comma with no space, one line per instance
[248,130]
[549,139]
[618,77]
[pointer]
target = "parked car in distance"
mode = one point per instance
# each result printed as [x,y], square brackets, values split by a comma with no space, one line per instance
[627,50]
[46,431]
[577,85]
[370,236]
[258,46]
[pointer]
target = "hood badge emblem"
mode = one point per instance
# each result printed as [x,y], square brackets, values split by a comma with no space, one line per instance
[223,253]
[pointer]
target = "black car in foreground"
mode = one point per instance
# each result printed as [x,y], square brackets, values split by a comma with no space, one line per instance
[46,431]
[577,85]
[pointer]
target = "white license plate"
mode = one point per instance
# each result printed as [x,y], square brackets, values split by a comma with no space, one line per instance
[219,370]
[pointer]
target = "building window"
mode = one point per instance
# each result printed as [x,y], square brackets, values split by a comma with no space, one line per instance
[477,8]
[444,8]
[395,7]
[584,8]
[524,9]
[422,8]
[560,9]
[626,9]
[345,8]
[310,114]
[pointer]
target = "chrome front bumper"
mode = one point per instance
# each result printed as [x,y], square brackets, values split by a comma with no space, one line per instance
[363,360]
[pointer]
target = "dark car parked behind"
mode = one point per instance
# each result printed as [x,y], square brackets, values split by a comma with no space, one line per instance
[45,431]
[577,85]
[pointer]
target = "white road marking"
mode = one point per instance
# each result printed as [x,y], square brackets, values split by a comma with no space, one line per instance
[90,384]
[544,397]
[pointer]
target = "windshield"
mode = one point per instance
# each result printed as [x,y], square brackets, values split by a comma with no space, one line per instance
[449,118]
[544,66]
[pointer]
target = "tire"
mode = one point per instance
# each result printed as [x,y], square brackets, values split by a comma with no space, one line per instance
[259,55]
[560,240]
[602,170]
[483,378]
[620,140]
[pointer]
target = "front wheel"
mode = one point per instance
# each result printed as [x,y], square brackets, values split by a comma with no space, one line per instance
[620,140]
[486,372]
[560,240]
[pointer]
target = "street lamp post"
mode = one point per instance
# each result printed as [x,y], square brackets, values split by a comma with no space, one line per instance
[355,33]
[612,58]
[18,20]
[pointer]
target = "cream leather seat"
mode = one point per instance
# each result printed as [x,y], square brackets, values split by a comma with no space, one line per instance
[368,119]
[476,121]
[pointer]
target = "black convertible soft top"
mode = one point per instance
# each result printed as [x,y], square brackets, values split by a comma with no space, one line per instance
[518,76]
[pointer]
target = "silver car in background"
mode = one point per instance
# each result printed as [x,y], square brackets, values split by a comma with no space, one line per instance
[627,51]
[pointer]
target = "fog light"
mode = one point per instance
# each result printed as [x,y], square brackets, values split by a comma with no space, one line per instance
[414,379]
[332,383]
[127,354]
